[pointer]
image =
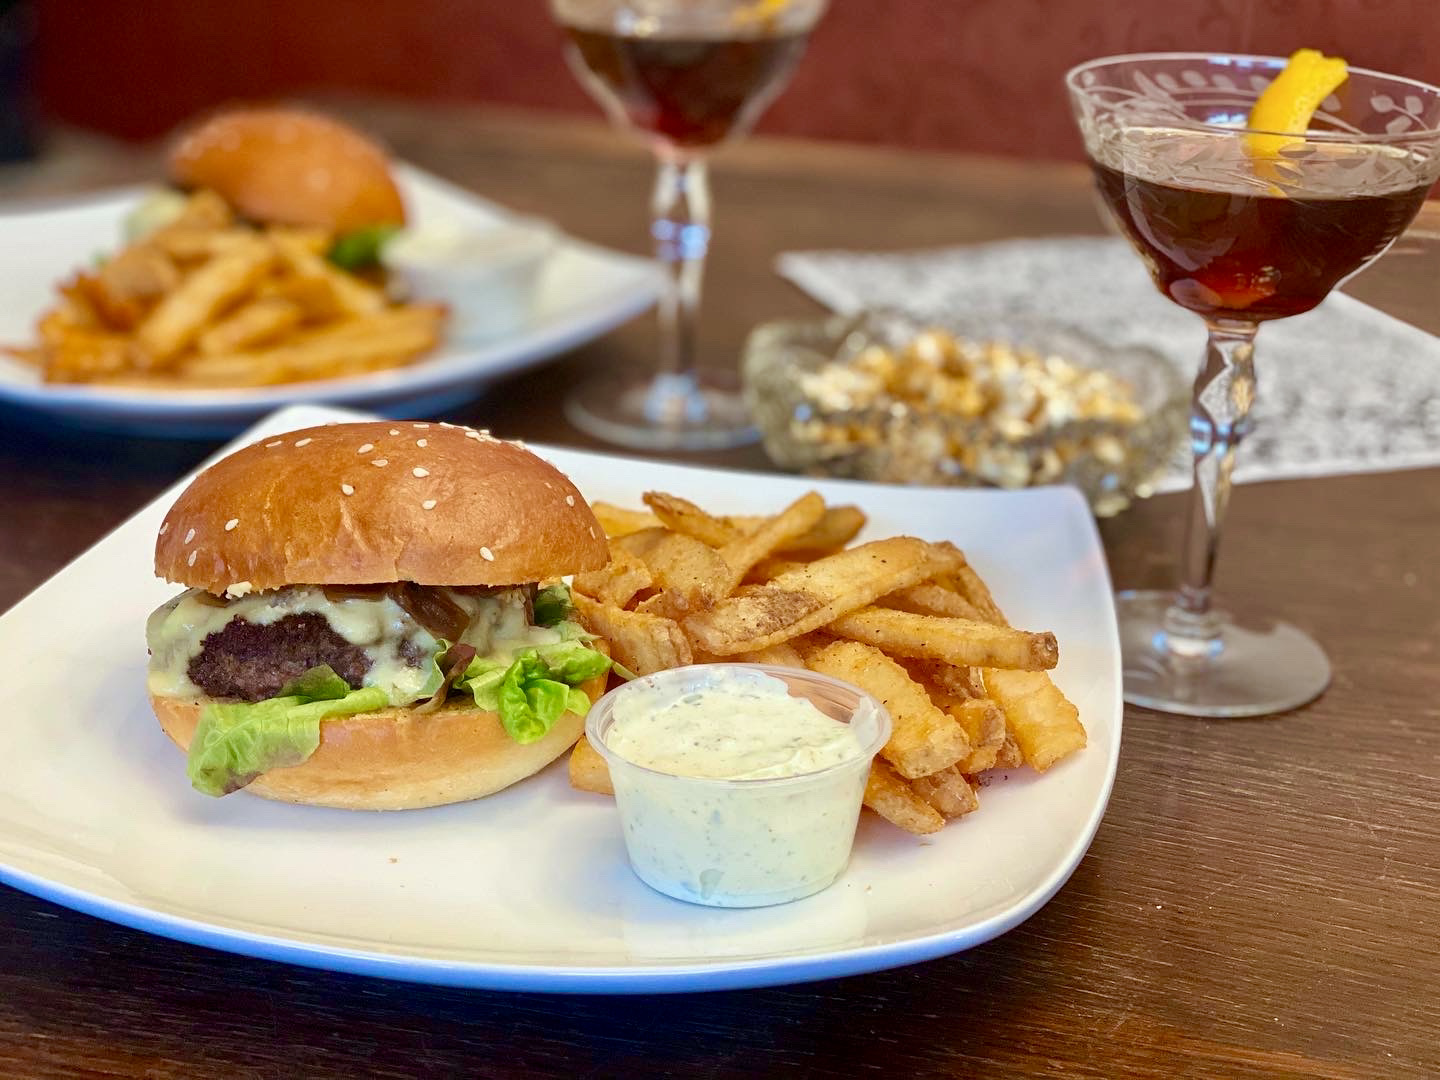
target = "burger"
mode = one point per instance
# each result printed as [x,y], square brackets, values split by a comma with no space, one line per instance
[286,166]
[374,618]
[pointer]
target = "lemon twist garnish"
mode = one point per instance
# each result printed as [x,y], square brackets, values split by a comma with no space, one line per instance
[760,12]
[1289,103]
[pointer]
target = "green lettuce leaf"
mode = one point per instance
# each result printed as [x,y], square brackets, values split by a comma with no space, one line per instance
[552,605]
[318,684]
[359,249]
[572,662]
[536,688]
[236,742]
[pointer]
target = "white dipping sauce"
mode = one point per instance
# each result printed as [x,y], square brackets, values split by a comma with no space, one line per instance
[753,794]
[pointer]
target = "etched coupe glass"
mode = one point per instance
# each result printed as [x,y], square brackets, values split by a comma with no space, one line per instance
[1241,227]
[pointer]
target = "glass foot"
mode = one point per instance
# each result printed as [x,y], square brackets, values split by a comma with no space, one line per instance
[663,412]
[1254,671]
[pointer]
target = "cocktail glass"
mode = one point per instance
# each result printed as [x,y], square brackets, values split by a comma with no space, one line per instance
[1240,228]
[687,75]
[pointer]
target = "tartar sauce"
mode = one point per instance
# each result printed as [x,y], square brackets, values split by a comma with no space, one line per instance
[733,729]
[744,794]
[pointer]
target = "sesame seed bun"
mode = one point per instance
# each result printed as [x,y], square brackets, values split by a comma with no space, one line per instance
[289,166]
[374,503]
[397,759]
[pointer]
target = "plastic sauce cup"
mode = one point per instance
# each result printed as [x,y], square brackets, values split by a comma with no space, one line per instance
[743,843]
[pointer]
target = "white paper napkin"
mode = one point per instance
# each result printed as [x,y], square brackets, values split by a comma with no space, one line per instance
[1343,388]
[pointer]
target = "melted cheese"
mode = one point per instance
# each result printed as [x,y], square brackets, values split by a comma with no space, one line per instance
[176,632]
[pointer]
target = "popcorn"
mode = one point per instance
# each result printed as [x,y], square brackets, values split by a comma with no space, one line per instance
[944,406]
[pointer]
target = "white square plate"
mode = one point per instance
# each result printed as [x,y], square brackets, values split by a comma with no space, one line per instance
[528,889]
[584,292]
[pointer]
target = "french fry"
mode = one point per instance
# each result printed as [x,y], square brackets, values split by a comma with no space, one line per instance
[588,771]
[353,295]
[250,324]
[643,643]
[984,723]
[1043,722]
[948,792]
[895,801]
[962,642]
[1045,725]
[783,654]
[923,738]
[195,243]
[836,528]
[1010,755]
[179,318]
[811,596]
[617,583]
[928,598]
[771,567]
[683,516]
[691,575]
[617,521]
[83,355]
[745,551]
[316,358]
[960,683]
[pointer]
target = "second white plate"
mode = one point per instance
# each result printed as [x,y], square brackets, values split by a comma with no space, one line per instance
[584,292]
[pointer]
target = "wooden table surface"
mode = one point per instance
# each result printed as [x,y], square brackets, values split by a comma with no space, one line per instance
[1260,899]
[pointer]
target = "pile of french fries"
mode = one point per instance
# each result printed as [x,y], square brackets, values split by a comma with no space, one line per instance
[210,301]
[910,622]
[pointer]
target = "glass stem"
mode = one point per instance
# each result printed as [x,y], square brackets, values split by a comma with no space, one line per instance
[680,226]
[1219,419]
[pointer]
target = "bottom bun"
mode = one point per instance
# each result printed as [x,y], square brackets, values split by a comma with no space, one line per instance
[398,759]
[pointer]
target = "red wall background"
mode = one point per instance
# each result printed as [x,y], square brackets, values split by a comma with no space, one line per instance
[981,75]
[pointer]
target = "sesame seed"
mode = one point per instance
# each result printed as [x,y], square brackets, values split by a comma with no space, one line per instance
[428,504]
[421,426]
[164,528]
[272,445]
[380,462]
[394,431]
[230,525]
[472,434]
[487,554]
[303,442]
[366,448]
[517,444]
[569,500]
[346,489]
[190,536]
[444,424]
[191,561]
[422,442]
[419,472]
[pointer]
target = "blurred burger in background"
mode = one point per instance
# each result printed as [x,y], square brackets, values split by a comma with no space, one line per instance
[286,166]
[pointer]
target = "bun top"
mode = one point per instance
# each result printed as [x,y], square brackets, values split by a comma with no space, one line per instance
[290,167]
[372,503]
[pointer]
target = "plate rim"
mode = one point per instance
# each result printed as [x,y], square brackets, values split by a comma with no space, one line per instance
[720,973]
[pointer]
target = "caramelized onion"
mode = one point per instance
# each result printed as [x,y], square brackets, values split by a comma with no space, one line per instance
[431,608]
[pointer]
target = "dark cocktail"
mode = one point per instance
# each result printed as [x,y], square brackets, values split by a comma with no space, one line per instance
[691,92]
[1250,194]
[1247,253]
[686,75]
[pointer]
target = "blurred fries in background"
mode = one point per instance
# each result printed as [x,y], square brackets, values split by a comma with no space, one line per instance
[908,621]
[208,301]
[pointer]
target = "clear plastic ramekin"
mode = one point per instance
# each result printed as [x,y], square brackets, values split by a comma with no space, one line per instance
[743,843]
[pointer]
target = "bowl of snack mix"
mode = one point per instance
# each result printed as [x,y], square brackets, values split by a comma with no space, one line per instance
[983,401]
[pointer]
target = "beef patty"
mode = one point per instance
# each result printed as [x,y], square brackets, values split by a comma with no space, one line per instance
[249,661]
